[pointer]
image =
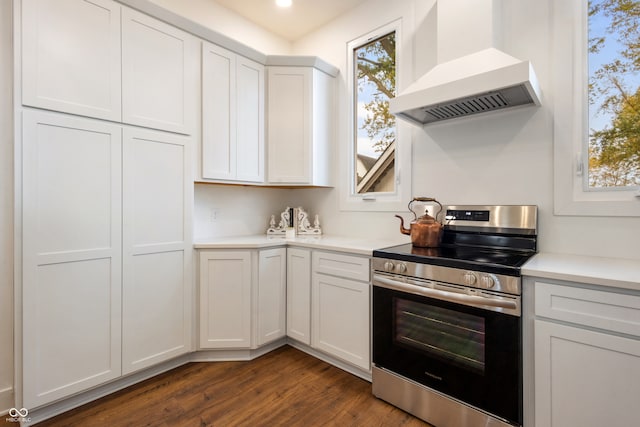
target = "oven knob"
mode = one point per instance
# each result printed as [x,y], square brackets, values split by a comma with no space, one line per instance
[487,282]
[401,268]
[388,266]
[469,278]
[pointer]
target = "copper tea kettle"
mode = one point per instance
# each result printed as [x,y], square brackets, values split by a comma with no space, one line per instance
[425,231]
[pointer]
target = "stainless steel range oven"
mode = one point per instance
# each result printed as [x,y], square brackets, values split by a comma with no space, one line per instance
[447,340]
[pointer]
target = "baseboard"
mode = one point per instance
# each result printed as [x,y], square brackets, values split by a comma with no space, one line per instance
[365,375]
[235,355]
[40,414]
[7,400]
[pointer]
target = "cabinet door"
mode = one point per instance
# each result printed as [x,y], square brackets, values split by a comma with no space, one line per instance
[218,113]
[71,56]
[289,129]
[159,74]
[299,295]
[71,277]
[585,378]
[272,282]
[157,290]
[250,120]
[340,318]
[225,299]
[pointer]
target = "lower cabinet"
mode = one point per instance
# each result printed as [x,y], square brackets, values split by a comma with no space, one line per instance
[230,280]
[272,295]
[225,299]
[587,357]
[340,318]
[299,295]
[340,307]
[249,298]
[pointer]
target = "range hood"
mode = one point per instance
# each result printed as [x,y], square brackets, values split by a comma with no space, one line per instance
[472,76]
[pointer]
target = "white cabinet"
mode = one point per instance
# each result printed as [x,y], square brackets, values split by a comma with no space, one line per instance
[106,252]
[242,298]
[299,295]
[71,56]
[232,116]
[340,307]
[99,59]
[159,69]
[300,110]
[225,299]
[272,282]
[157,265]
[71,255]
[587,356]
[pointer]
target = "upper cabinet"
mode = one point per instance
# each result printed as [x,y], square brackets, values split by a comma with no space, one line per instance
[71,61]
[300,125]
[232,116]
[159,69]
[109,62]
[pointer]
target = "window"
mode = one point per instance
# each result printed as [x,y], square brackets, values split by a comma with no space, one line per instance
[613,145]
[374,126]
[379,146]
[595,92]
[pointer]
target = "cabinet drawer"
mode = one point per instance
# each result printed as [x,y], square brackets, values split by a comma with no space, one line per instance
[598,309]
[348,266]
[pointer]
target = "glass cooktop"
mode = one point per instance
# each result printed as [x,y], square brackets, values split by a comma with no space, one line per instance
[469,258]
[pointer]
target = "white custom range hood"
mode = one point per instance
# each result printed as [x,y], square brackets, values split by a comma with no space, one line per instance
[472,75]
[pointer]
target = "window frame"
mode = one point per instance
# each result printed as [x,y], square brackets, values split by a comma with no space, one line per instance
[570,125]
[383,201]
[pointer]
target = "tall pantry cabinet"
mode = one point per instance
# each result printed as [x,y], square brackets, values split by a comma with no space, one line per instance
[106,205]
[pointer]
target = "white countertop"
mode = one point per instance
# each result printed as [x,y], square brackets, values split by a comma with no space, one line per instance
[354,245]
[611,272]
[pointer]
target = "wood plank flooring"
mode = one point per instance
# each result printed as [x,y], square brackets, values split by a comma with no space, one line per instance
[286,387]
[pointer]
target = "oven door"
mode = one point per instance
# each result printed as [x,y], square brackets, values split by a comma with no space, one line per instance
[461,345]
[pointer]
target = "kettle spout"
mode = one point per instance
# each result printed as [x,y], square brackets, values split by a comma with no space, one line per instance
[403,230]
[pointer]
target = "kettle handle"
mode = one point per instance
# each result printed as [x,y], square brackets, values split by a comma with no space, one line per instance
[424,199]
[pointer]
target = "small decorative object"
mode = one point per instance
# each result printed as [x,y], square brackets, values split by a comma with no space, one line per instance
[302,223]
[294,221]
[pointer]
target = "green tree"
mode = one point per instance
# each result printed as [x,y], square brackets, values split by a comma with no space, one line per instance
[376,65]
[614,152]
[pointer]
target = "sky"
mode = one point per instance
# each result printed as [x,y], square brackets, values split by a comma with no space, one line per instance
[597,27]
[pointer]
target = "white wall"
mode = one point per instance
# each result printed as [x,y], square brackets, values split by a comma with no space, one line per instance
[6,213]
[505,158]
[239,210]
[220,19]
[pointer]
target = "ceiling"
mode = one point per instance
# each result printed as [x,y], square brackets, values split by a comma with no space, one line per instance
[294,22]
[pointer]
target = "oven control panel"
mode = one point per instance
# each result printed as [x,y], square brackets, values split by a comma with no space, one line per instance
[473,279]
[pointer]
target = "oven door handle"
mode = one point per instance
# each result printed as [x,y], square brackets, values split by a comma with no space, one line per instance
[473,300]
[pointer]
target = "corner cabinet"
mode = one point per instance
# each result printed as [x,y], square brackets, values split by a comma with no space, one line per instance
[587,355]
[299,295]
[242,298]
[301,110]
[232,116]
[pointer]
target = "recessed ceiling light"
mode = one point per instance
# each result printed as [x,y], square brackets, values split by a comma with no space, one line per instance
[283,3]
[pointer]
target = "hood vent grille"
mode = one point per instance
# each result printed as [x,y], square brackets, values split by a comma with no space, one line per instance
[476,104]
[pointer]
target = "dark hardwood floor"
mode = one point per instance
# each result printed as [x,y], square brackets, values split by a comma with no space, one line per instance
[286,387]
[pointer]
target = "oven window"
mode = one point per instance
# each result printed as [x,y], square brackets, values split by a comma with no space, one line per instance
[454,337]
